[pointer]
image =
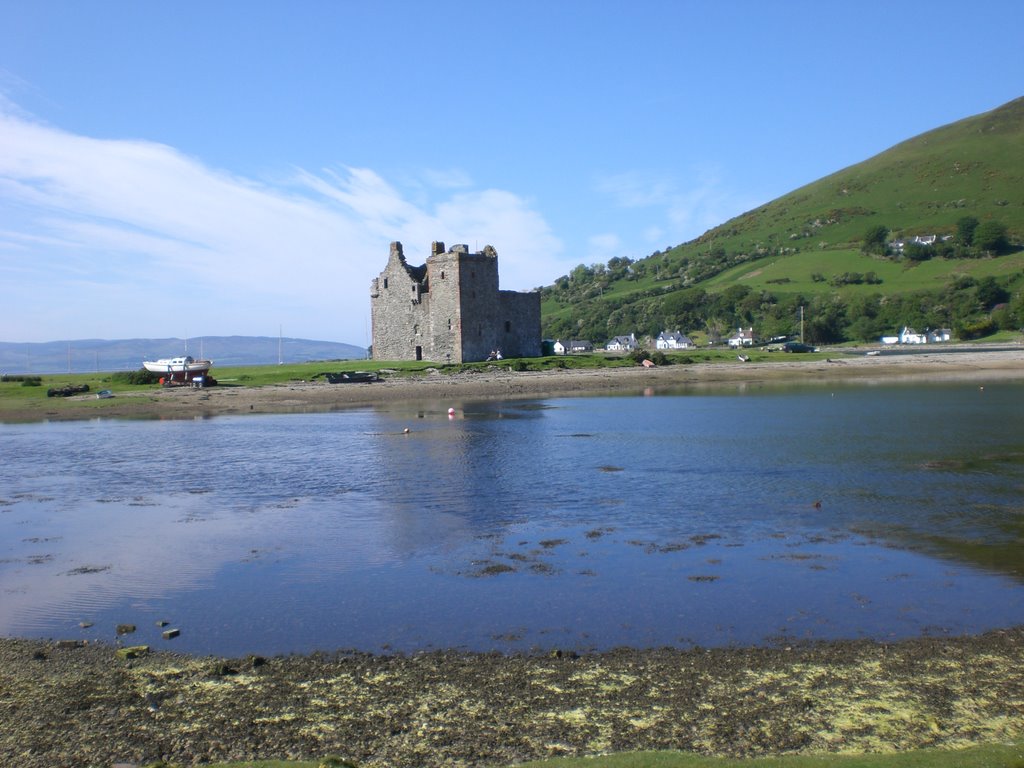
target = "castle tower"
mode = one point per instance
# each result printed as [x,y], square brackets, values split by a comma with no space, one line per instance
[450,310]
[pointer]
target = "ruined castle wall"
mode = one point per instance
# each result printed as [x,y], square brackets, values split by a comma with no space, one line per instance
[446,318]
[478,294]
[519,324]
[400,311]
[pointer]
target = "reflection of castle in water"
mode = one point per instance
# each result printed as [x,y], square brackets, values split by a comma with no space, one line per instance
[464,463]
[449,310]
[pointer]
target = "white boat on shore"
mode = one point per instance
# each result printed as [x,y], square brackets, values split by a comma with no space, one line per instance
[178,366]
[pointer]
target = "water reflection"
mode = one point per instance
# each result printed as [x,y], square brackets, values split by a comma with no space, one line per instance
[590,522]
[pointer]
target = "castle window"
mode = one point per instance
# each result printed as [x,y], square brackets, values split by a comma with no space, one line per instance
[385,282]
[508,326]
[442,274]
[449,323]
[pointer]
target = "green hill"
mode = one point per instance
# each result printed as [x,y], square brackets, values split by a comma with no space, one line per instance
[807,249]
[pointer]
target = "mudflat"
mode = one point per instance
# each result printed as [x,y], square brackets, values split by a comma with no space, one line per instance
[85,705]
[500,382]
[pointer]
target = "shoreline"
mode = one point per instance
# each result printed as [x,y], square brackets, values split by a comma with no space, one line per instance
[501,383]
[70,704]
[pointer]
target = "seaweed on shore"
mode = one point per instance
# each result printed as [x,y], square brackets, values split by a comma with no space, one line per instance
[82,705]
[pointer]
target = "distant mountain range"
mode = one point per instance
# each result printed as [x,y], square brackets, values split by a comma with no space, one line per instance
[90,355]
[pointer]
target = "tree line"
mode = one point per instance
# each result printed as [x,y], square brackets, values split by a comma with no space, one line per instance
[972,308]
[969,307]
[973,239]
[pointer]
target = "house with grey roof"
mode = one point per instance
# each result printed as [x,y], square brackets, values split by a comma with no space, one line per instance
[673,340]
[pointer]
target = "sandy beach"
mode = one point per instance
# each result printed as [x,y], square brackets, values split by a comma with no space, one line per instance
[500,382]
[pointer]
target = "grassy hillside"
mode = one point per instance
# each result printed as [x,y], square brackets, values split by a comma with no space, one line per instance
[921,186]
[805,248]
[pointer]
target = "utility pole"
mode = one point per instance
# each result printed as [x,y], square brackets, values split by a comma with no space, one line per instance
[801,323]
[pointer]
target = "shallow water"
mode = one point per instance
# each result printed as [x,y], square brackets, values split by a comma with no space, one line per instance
[754,515]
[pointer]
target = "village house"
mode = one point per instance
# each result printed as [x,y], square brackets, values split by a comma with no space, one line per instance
[673,340]
[909,336]
[572,347]
[744,337]
[622,344]
[926,240]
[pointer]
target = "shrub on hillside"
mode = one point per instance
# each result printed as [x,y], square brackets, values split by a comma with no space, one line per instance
[918,252]
[976,329]
[876,240]
[990,237]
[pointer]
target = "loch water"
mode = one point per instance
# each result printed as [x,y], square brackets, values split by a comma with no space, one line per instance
[741,515]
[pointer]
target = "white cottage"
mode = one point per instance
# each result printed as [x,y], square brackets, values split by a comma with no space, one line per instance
[673,340]
[572,347]
[909,336]
[622,343]
[744,337]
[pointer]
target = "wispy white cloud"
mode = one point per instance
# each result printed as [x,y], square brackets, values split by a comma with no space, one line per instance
[602,247]
[452,178]
[678,211]
[637,190]
[168,236]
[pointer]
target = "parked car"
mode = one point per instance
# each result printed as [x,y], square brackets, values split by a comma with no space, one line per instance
[798,346]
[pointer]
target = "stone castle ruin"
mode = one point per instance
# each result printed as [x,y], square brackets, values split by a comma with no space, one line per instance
[449,310]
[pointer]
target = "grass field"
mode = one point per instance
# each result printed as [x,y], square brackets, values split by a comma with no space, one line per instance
[793,273]
[986,756]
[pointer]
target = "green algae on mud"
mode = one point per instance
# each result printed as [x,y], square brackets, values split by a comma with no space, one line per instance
[986,756]
[82,705]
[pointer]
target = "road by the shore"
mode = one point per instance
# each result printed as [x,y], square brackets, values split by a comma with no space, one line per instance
[500,382]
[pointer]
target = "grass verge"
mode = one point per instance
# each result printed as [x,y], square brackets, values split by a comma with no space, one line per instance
[985,756]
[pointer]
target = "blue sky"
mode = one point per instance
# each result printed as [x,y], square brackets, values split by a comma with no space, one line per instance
[215,168]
